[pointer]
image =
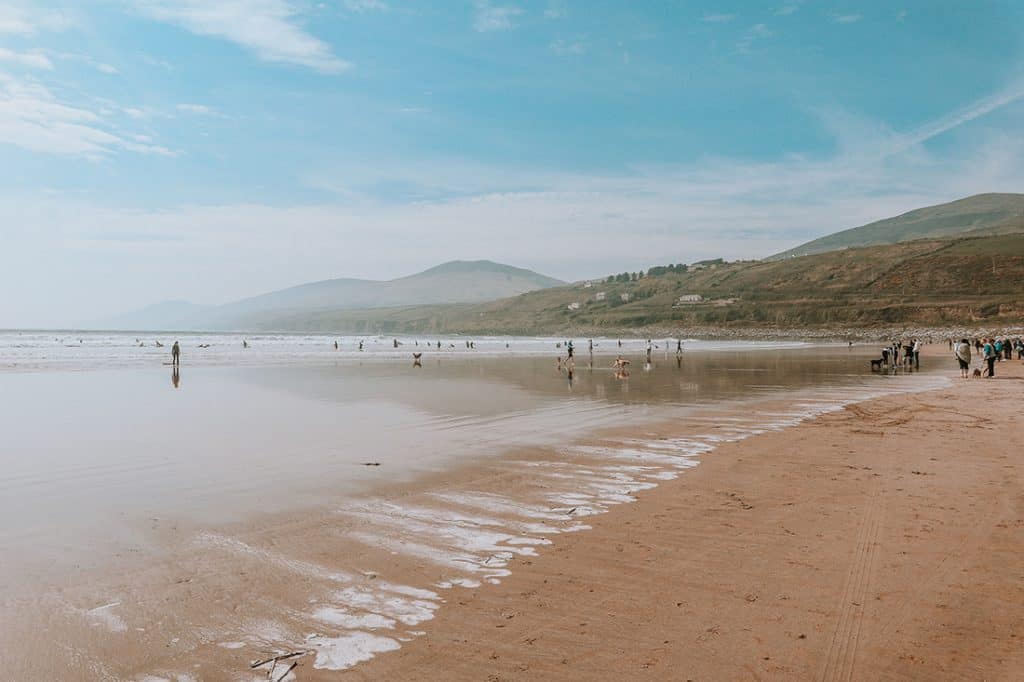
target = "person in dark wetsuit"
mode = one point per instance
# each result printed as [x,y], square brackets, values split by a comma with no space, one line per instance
[176,354]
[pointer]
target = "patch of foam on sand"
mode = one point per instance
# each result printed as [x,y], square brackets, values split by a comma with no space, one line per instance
[339,653]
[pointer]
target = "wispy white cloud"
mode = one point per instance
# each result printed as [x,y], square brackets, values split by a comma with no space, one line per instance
[556,9]
[488,17]
[752,35]
[269,28]
[846,18]
[33,118]
[959,117]
[786,10]
[198,109]
[35,60]
[565,48]
[718,18]
[83,59]
[366,5]
[18,19]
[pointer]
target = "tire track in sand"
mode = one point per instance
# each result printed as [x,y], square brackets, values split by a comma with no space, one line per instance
[841,660]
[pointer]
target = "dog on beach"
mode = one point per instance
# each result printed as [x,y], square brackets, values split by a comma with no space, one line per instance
[977,373]
[877,364]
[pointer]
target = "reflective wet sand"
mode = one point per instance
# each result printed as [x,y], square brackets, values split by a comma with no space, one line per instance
[183,525]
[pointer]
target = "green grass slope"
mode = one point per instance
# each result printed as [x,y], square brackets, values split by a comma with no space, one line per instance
[976,216]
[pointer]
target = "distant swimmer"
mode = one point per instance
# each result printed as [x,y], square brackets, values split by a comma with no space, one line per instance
[396,343]
[176,354]
[439,345]
[335,345]
[245,344]
[158,344]
[360,345]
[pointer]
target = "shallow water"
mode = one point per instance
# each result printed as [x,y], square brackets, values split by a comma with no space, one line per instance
[97,464]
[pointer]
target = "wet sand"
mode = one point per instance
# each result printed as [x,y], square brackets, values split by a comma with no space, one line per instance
[615,555]
[880,542]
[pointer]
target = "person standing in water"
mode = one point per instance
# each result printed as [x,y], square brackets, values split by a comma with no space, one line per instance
[176,355]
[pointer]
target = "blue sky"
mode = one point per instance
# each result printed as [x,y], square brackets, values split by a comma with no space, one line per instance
[184,149]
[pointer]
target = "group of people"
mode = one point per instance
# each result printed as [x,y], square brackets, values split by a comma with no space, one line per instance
[988,350]
[906,353]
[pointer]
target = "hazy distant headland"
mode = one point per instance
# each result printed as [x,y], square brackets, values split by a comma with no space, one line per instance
[954,264]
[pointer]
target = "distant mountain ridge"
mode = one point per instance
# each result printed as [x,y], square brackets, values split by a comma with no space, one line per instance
[980,215]
[452,282]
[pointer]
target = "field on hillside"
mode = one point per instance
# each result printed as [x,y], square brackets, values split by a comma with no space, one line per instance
[923,282]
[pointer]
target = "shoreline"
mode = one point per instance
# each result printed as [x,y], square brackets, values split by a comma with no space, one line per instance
[809,552]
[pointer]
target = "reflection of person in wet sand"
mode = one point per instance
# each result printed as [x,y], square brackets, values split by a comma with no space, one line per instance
[175,376]
[416,359]
[176,354]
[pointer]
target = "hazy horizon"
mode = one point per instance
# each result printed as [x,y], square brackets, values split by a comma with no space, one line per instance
[160,151]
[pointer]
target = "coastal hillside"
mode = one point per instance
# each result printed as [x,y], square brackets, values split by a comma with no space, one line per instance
[975,216]
[936,282]
[453,282]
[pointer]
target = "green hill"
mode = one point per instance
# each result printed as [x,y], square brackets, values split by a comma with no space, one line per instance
[975,216]
[933,282]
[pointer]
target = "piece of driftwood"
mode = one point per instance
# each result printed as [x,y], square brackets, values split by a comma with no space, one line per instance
[290,668]
[275,659]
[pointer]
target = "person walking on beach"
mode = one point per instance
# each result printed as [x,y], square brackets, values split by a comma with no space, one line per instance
[568,349]
[963,357]
[176,355]
[989,349]
[916,350]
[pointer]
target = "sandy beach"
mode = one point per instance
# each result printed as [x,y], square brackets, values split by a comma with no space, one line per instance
[846,525]
[879,542]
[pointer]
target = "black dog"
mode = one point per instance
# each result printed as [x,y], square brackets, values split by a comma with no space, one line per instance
[877,364]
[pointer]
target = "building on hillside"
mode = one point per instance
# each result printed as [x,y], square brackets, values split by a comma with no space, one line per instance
[599,296]
[575,305]
[588,284]
[624,298]
[690,298]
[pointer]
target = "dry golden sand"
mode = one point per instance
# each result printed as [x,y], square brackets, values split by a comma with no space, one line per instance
[885,541]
